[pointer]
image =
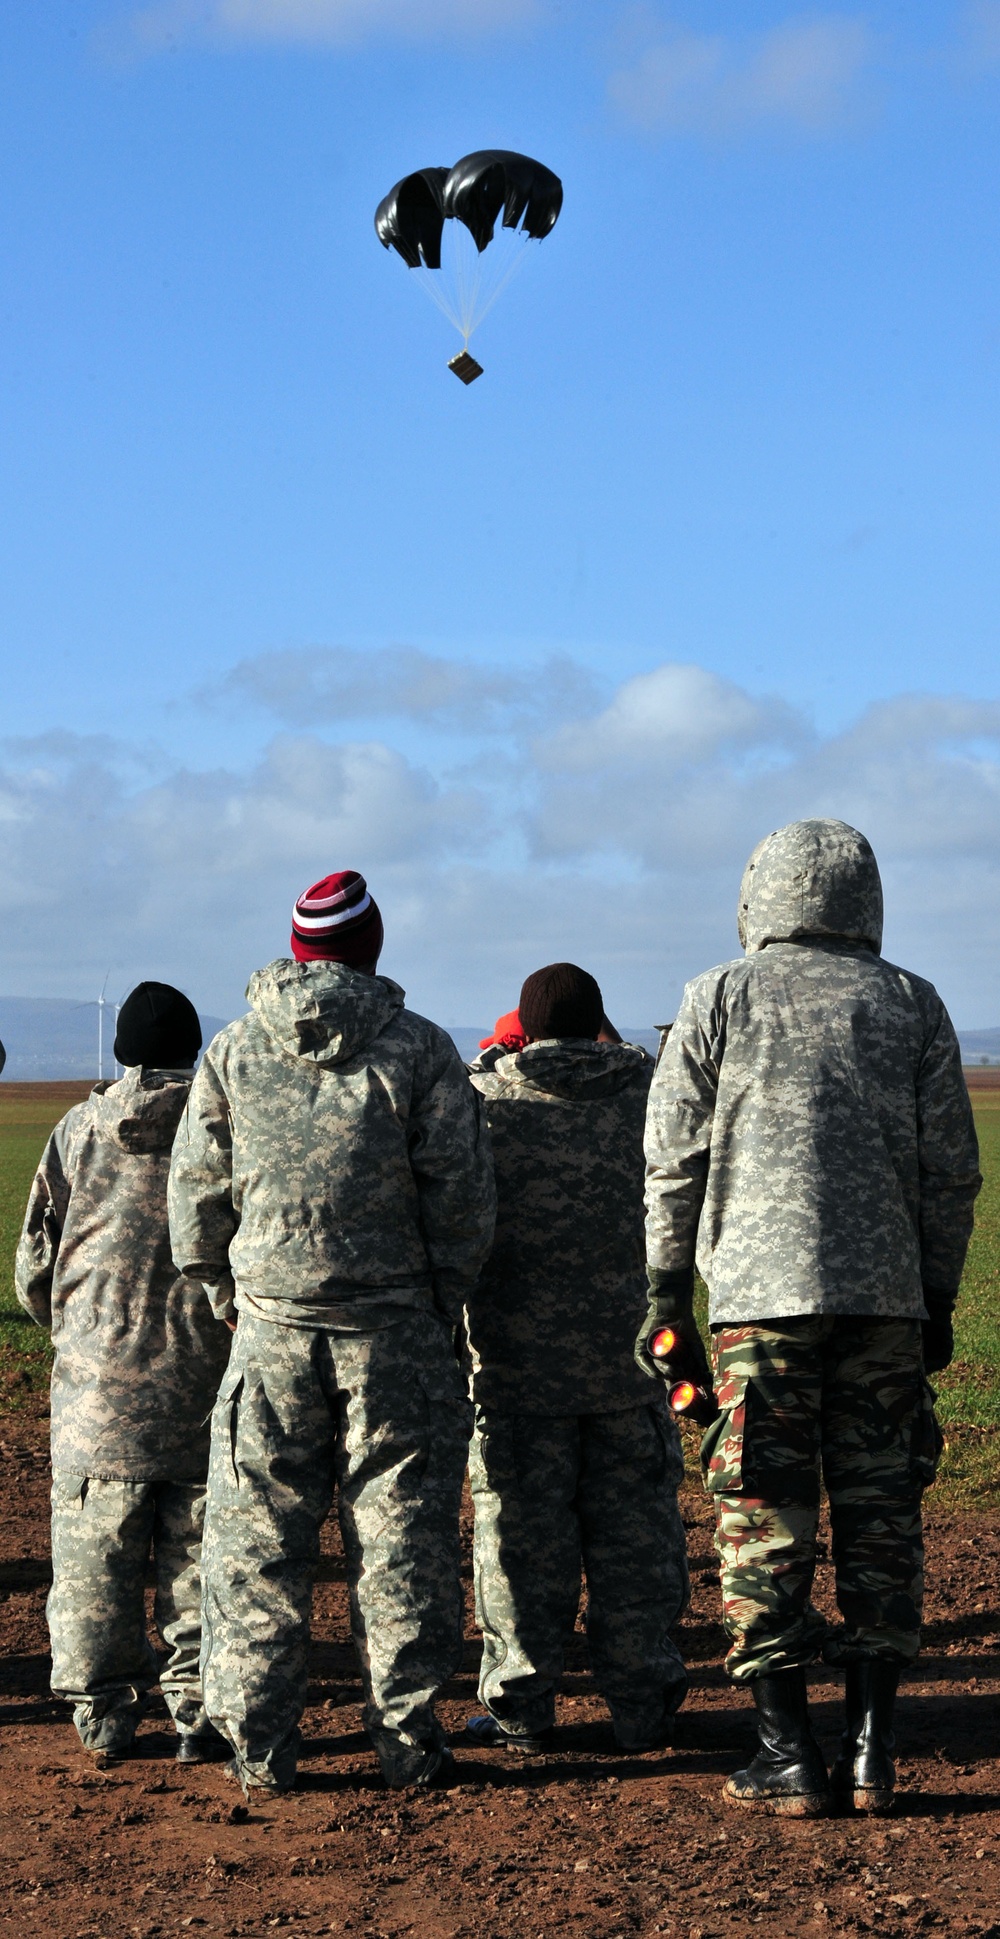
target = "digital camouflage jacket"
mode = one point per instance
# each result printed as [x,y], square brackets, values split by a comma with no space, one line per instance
[331,1158]
[809,1136]
[555,1314]
[138,1352]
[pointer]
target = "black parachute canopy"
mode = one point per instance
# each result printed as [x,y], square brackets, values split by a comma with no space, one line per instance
[411,217]
[480,185]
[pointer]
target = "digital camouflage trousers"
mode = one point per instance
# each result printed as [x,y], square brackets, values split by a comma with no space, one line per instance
[841,1397]
[382,1419]
[102,1661]
[553,1494]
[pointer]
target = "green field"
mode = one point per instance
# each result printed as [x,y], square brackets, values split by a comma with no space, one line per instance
[969,1393]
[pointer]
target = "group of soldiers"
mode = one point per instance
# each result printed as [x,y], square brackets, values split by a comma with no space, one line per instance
[336,1264]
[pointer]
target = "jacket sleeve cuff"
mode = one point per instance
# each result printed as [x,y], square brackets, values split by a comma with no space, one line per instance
[672,1293]
[939,1302]
[221,1295]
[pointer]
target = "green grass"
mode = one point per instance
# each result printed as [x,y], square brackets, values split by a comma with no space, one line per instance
[970,1389]
[25,1123]
[969,1392]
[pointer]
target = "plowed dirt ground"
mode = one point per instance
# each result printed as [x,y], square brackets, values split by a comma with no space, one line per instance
[582,1841]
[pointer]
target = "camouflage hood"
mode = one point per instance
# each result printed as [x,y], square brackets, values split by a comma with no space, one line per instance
[141,1111]
[324,1012]
[568,1067]
[812,878]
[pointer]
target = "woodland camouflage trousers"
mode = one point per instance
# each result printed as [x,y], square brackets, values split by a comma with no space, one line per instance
[845,1397]
[102,1662]
[383,1419]
[552,1493]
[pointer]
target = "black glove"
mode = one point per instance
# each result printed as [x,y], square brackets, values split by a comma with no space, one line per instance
[671,1299]
[938,1332]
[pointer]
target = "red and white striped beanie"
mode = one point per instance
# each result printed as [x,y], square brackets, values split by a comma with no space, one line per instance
[337,921]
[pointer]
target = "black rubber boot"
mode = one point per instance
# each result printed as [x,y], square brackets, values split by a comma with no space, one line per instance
[202,1747]
[490,1734]
[419,1766]
[864,1773]
[788,1775]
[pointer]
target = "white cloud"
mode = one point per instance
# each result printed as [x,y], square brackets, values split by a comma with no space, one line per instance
[676,715]
[314,23]
[802,75]
[198,869]
[632,826]
[302,686]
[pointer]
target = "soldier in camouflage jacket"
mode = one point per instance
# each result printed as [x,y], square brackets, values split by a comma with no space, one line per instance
[572,1461]
[810,1142]
[332,1180]
[138,1360]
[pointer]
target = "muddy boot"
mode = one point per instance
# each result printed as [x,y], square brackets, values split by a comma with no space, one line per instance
[864,1773]
[109,1740]
[490,1735]
[788,1775]
[202,1747]
[253,1789]
[408,1764]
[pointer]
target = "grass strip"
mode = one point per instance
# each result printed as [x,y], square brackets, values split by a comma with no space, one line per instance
[968,1392]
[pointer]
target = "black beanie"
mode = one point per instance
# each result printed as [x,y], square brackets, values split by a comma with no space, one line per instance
[561,1001]
[158,1026]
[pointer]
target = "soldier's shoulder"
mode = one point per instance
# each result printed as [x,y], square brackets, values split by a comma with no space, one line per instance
[82,1114]
[638,1071]
[429,1042]
[715,982]
[920,988]
[233,1038]
[80,1118]
[918,993]
[483,1073]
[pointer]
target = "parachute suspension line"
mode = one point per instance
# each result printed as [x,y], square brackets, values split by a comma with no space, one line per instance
[495,286]
[468,283]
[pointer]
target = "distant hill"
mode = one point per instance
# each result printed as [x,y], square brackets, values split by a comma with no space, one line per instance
[50,1037]
[980,1044]
[976,1044]
[467,1039]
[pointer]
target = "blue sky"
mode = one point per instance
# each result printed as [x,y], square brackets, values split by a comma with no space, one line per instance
[712,544]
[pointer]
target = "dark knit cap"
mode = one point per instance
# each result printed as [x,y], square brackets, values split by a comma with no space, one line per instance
[158,1026]
[561,1001]
[337,921]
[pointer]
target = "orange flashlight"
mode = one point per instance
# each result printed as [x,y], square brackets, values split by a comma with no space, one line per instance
[683,1396]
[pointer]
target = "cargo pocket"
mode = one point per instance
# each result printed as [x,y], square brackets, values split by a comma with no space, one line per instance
[226,1422]
[722,1449]
[928,1440]
[69,1490]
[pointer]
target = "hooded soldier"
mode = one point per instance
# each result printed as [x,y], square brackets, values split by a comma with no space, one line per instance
[574,1464]
[138,1359]
[810,1144]
[332,1180]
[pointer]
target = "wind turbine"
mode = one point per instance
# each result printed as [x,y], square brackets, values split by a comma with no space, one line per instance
[101,1007]
[102,1003]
